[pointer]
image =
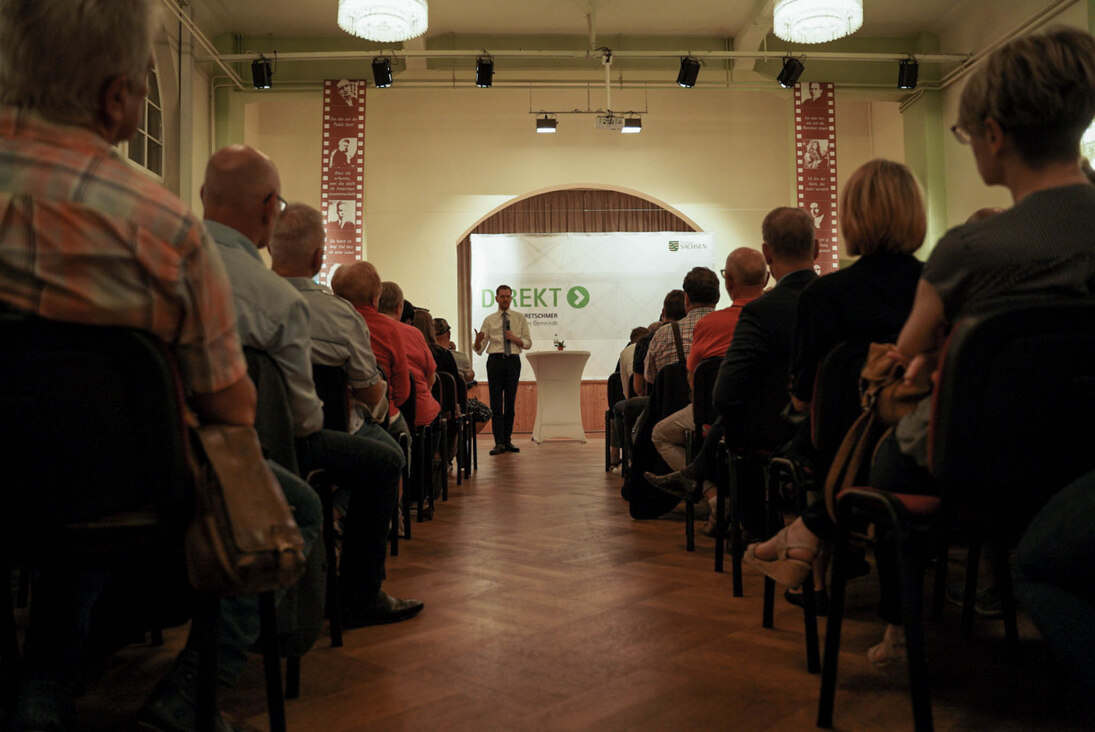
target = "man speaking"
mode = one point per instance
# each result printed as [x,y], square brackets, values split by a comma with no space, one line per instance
[504,333]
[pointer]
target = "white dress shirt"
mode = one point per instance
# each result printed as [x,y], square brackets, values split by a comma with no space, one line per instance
[495,341]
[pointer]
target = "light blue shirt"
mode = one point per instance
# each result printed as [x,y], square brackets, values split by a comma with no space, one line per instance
[272,317]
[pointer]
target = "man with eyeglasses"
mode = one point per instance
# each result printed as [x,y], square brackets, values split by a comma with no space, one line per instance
[242,200]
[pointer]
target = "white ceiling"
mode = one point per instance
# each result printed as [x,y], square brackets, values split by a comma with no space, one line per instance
[671,18]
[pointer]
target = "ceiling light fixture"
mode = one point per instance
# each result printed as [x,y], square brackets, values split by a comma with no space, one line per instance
[632,126]
[484,71]
[261,73]
[546,125]
[792,69]
[907,72]
[382,72]
[690,70]
[816,21]
[387,21]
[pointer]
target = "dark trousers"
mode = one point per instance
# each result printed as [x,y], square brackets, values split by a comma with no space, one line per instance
[503,373]
[370,468]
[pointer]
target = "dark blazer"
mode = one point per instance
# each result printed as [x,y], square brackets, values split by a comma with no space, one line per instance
[751,389]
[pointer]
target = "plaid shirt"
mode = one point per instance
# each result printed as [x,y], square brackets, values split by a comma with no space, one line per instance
[663,347]
[85,238]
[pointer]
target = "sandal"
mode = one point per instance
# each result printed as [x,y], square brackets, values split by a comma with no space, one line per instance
[784,569]
[890,650]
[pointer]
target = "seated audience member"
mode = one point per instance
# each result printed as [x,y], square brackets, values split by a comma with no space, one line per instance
[1023,112]
[241,197]
[751,388]
[883,222]
[1055,585]
[443,334]
[672,309]
[746,274]
[627,359]
[76,259]
[626,369]
[701,294]
[340,336]
[359,284]
[443,359]
[419,359]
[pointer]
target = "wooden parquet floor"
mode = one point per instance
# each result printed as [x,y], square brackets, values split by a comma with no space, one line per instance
[548,608]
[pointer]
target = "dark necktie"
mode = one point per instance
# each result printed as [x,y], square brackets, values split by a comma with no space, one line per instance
[505,326]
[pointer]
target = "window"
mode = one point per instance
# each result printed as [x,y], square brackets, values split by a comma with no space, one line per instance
[1087,144]
[145,150]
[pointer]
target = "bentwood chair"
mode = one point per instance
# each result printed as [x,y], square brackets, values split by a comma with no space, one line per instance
[1010,427]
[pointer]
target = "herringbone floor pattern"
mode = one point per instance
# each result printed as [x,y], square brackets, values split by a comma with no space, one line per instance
[548,608]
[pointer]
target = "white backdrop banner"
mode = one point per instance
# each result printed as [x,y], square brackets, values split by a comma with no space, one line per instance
[589,290]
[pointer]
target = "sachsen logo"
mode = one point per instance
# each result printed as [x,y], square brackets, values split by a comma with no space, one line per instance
[676,246]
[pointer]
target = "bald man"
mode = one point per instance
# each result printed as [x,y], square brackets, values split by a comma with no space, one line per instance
[359,284]
[242,200]
[745,276]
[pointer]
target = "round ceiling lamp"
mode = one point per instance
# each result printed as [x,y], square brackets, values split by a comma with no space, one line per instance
[816,21]
[386,21]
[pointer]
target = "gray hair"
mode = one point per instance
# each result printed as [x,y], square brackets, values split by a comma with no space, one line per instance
[298,233]
[56,56]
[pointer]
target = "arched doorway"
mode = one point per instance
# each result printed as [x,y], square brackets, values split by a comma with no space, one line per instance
[578,210]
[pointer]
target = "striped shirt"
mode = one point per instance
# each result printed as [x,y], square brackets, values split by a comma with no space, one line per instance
[84,238]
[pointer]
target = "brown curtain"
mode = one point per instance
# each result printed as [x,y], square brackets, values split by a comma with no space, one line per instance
[571,210]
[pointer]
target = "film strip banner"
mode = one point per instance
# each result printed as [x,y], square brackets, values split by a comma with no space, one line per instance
[343,190]
[815,159]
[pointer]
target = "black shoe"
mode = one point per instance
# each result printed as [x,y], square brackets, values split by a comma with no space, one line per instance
[676,484]
[383,610]
[498,449]
[821,600]
[510,447]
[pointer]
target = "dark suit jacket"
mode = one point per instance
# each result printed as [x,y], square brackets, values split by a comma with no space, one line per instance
[751,389]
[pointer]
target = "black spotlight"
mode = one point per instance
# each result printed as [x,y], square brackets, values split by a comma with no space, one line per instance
[382,72]
[261,73]
[484,72]
[907,72]
[792,69]
[690,69]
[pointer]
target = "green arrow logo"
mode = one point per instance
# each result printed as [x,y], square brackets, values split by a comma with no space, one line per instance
[578,297]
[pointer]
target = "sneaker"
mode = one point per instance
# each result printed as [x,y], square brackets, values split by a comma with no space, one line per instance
[172,706]
[987,602]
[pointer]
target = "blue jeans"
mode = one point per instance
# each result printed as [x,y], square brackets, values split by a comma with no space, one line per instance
[239,618]
[370,468]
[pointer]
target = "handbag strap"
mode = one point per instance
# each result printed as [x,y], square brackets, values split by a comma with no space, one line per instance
[679,342]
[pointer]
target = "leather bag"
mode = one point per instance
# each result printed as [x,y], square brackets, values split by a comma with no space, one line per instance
[243,539]
[885,397]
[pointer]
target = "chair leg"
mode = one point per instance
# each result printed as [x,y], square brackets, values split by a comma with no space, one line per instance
[275,702]
[334,607]
[608,440]
[736,539]
[292,677]
[689,526]
[1002,571]
[969,597]
[833,626]
[444,461]
[206,629]
[23,596]
[461,455]
[774,521]
[939,591]
[721,489]
[9,652]
[809,619]
[474,449]
[912,611]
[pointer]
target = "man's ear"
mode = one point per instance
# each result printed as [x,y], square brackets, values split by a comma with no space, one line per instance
[767,252]
[994,136]
[317,260]
[112,107]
